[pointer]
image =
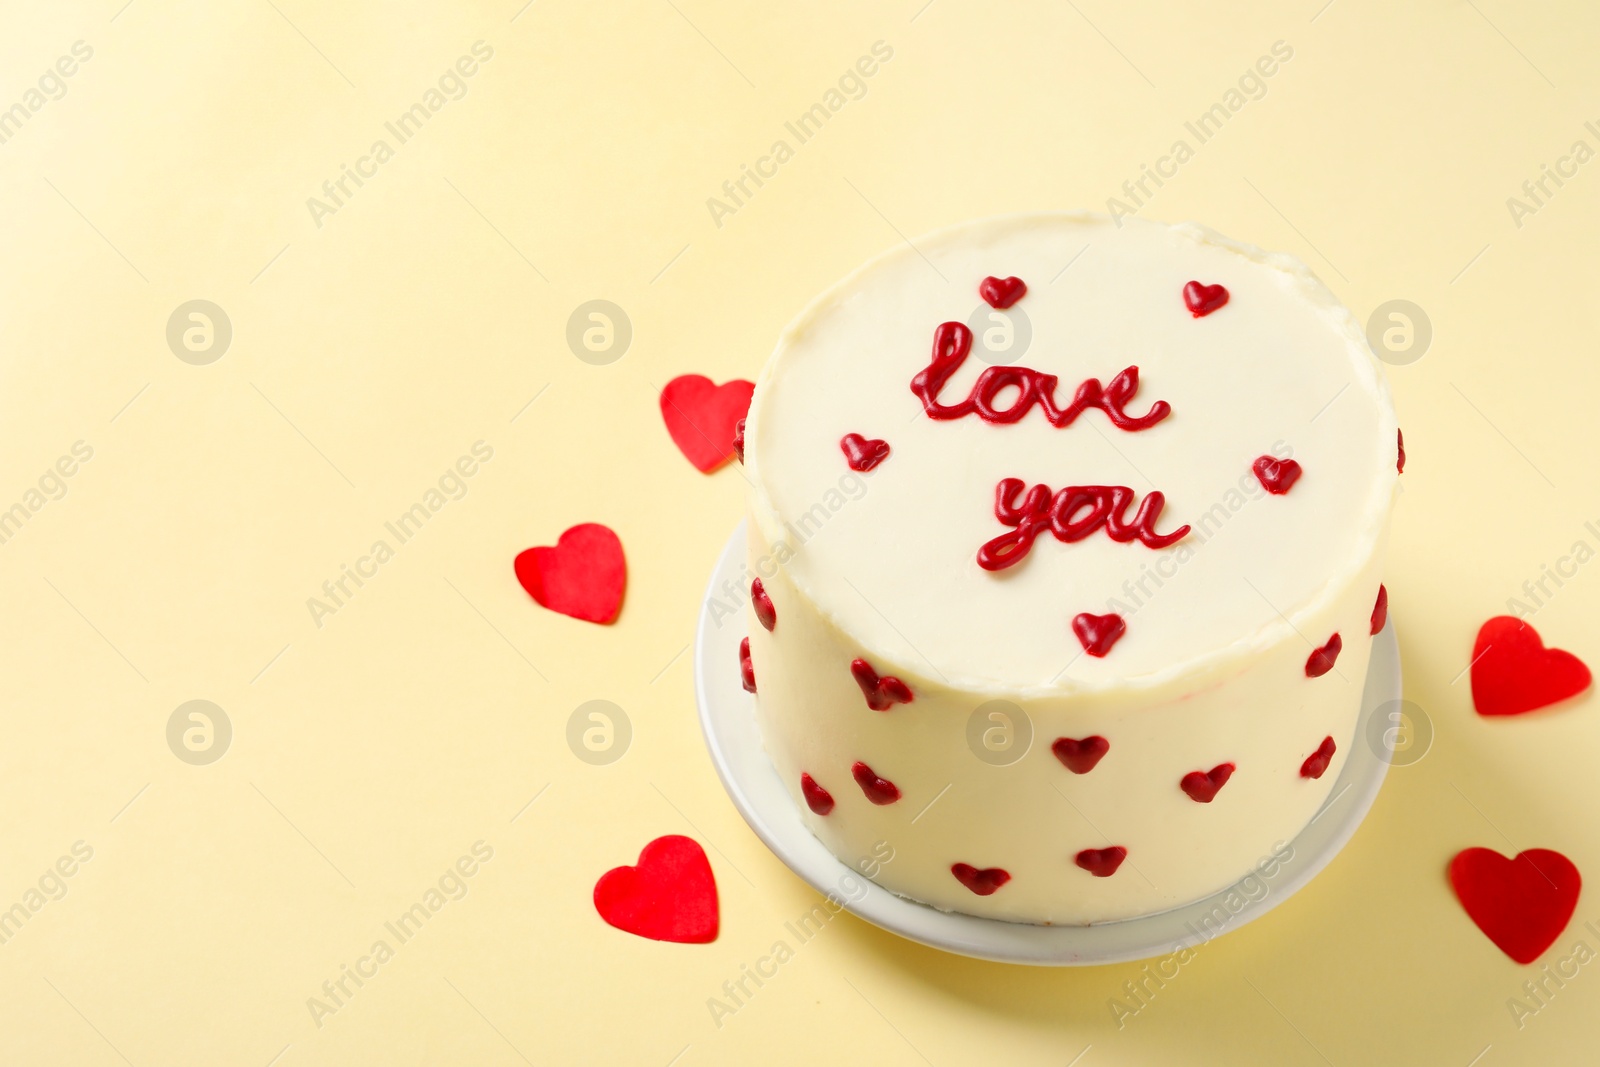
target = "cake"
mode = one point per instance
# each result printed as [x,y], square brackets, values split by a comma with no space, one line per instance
[1065,547]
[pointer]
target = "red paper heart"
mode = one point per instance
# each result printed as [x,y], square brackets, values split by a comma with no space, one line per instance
[766,614]
[1380,610]
[981,881]
[1202,300]
[1202,786]
[1512,671]
[863,453]
[1321,660]
[1316,764]
[879,790]
[1101,862]
[1080,756]
[1521,904]
[1097,633]
[582,576]
[818,799]
[1277,476]
[670,896]
[702,416]
[1002,292]
[881,693]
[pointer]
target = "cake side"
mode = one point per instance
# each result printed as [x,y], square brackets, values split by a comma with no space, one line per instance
[1033,817]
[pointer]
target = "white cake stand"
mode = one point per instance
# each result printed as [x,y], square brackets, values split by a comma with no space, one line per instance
[727,715]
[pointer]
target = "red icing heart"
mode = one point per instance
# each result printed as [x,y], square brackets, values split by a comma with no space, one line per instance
[582,576]
[1202,300]
[765,612]
[1002,292]
[1521,904]
[818,799]
[863,453]
[747,673]
[1097,633]
[981,881]
[1512,671]
[670,896]
[1277,476]
[701,416]
[1202,786]
[878,790]
[1101,862]
[1321,660]
[1400,460]
[881,693]
[1080,757]
[1316,764]
[738,439]
[1380,610]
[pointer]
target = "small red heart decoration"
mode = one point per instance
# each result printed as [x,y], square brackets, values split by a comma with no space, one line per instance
[878,790]
[582,576]
[1080,756]
[1277,476]
[670,896]
[1316,764]
[881,693]
[1202,300]
[1522,905]
[818,799]
[1002,292]
[1097,633]
[702,416]
[1512,671]
[1321,660]
[747,673]
[863,453]
[766,614]
[1400,459]
[1202,786]
[1101,862]
[1380,610]
[981,881]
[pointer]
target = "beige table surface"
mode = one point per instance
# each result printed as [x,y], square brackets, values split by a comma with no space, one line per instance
[377,339]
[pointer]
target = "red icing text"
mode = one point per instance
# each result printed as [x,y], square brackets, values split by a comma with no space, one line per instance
[952,343]
[1071,514]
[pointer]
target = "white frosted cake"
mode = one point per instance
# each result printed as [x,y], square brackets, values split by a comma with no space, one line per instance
[1065,553]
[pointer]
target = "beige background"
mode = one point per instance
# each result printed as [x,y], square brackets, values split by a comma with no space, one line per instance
[431,308]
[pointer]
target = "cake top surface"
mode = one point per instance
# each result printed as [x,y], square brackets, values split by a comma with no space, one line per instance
[1279,373]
